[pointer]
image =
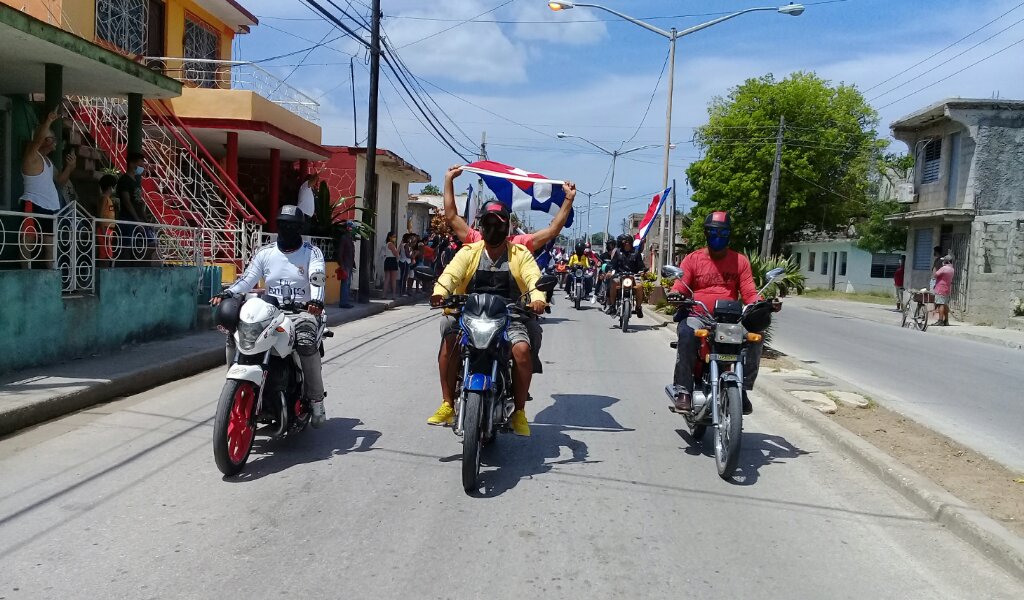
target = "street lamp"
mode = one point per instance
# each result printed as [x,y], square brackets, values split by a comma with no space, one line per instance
[791,9]
[614,154]
[590,196]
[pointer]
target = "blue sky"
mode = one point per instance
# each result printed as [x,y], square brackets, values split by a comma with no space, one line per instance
[587,73]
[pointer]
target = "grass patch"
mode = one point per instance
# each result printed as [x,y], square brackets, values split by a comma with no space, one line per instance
[868,297]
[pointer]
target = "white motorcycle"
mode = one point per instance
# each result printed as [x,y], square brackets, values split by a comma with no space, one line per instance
[264,382]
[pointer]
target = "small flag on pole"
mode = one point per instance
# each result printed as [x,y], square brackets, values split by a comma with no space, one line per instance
[652,212]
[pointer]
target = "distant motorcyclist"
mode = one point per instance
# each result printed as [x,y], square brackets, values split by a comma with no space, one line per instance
[627,259]
[298,265]
[713,273]
[580,259]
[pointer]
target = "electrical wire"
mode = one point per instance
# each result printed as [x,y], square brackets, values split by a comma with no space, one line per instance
[650,101]
[506,3]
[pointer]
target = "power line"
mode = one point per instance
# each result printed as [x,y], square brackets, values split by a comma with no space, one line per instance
[946,62]
[506,3]
[921,62]
[650,101]
[937,82]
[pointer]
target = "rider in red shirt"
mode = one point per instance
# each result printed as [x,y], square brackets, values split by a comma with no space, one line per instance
[713,273]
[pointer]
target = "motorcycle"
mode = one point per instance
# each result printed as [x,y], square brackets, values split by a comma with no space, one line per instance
[726,334]
[264,383]
[627,299]
[577,284]
[562,272]
[484,397]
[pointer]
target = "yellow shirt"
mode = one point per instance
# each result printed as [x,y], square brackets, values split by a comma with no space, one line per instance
[462,268]
[579,261]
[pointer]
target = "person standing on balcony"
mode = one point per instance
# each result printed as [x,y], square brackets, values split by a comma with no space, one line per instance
[133,207]
[307,200]
[40,196]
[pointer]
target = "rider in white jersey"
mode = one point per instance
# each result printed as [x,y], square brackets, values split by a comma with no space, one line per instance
[292,263]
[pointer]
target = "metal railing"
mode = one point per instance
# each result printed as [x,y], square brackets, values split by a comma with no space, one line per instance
[76,244]
[238,75]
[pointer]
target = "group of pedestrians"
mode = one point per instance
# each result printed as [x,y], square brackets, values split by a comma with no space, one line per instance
[402,258]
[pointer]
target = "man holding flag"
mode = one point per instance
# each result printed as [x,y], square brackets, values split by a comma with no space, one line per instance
[513,194]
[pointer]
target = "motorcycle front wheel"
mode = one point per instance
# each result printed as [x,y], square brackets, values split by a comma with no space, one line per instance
[471,440]
[730,429]
[234,426]
[627,309]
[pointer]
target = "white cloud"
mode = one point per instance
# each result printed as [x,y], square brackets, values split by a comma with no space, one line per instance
[571,32]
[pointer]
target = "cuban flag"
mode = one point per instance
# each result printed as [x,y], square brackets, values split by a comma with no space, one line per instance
[652,212]
[519,189]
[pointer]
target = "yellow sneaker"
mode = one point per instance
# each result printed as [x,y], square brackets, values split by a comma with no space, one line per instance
[444,415]
[519,424]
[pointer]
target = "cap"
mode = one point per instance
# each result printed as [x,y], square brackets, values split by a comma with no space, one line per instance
[718,218]
[947,258]
[496,209]
[291,212]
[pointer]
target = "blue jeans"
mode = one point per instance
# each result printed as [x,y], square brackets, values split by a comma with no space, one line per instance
[346,288]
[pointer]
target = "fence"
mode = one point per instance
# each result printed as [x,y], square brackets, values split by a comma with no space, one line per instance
[76,244]
[325,244]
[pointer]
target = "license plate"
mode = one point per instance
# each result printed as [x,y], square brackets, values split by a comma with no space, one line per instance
[725,357]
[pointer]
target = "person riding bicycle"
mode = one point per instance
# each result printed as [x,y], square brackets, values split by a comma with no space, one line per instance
[292,263]
[712,273]
[580,259]
[628,259]
[492,266]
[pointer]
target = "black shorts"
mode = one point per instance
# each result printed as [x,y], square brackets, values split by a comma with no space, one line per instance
[44,221]
[390,264]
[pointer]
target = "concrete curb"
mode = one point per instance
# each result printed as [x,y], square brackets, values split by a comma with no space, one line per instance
[662,320]
[948,331]
[993,540]
[153,375]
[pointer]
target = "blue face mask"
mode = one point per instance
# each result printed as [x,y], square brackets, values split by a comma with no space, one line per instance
[718,238]
[140,170]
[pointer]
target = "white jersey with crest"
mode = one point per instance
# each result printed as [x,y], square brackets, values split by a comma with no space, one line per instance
[303,270]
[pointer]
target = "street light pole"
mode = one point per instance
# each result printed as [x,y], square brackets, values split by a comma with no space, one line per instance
[611,192]
[794,10]
[668,138]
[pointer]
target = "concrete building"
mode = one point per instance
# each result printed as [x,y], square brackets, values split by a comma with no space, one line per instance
[967,190]
[838,264]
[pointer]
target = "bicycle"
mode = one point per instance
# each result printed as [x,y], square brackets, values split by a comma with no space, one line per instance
[919,319]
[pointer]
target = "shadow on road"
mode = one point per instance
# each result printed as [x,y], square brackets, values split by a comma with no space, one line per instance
[337,437]
[518,459]
[756,450]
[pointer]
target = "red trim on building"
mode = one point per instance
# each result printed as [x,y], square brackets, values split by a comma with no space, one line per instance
[260,126]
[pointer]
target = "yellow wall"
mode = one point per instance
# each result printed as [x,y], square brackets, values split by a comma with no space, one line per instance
[244,105]
[176,12]
[76,16]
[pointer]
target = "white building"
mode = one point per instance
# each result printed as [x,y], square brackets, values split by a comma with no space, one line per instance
[838,264]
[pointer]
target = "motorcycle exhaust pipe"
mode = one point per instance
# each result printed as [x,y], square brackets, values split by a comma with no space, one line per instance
[282,419]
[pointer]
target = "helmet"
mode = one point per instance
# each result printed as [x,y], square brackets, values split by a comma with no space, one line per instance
[757,319]
[718,219]
[226,313]
[717,228]
[580,248]
[624,239]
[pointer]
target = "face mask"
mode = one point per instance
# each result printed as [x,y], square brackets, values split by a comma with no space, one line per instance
[718,239]
[494,233]
[140,170]
[289,236]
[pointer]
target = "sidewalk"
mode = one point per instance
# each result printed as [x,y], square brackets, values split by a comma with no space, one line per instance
[886,314]
[35,395]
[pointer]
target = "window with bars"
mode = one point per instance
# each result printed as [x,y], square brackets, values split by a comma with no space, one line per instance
[883,266]
[203,43]
[123,23]
[810,262]
[932,159]
[923,249]
[824,263]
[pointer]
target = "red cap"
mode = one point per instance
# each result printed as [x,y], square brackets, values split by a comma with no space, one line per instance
[495,209]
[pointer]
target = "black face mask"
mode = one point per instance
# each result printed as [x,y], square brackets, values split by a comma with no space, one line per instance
[289,236]
[494,233]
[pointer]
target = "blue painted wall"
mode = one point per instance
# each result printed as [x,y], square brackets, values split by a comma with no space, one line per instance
[131,305]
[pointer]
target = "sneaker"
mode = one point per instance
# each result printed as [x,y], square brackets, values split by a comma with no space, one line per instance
[519,424]
[639,312]
[445,416]
[319,414]
[683,402]
[747,406]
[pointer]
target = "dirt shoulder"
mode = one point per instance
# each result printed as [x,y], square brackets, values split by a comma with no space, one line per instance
[975,479]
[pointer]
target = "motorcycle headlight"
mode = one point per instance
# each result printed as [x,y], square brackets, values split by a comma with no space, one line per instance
[248,333]
[482,331]
[627,282]
[579,272]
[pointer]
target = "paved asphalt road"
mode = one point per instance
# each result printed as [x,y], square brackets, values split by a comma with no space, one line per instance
[967,390]
[606,500]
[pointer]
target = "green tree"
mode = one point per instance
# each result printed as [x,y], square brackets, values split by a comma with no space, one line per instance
[875,233]
[830,145]
[430,190]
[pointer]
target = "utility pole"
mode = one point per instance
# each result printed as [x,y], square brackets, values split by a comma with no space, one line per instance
[673,36]
[480,180]
[773,192]
[370,178]
[352,78]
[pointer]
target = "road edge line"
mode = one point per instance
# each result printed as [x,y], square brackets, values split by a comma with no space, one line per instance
[984,533]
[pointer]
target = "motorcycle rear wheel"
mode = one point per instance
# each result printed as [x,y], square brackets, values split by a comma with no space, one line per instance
[234,426]
[730,430]
[471,440]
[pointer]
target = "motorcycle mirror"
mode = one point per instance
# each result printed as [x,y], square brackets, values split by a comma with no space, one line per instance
[671,272]
[775,274]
